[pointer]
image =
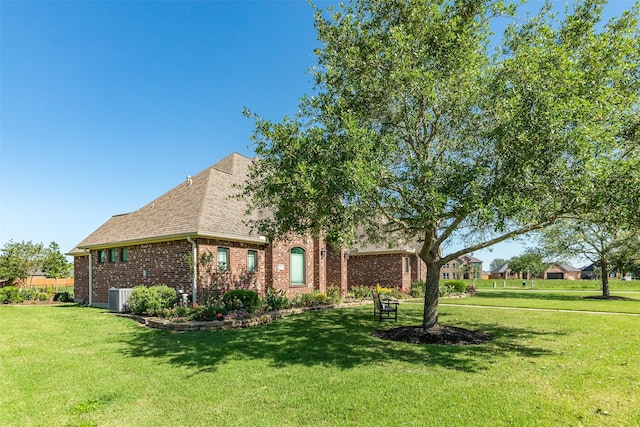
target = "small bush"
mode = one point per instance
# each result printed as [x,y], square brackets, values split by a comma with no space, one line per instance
[152,300]
[249,300]
[417,289]
[334,295]
[65,296]
[10,295]
[387,292]
[206,314]
[456,286]
[360,292]
[28,294]
[275,300]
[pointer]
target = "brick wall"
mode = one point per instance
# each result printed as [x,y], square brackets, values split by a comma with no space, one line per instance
[165,263]
[386,269]
[237,276]
[279,259]
[81,278]
[337,275]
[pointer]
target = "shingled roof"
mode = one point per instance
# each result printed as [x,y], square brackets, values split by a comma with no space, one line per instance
[201,206]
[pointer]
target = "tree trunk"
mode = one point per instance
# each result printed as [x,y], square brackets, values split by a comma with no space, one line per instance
[430,318]
[605,278]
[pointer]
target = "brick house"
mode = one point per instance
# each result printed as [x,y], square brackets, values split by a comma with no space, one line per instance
[555,271]
[199,220]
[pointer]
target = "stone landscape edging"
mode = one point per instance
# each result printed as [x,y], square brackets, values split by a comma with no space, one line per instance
[181,325]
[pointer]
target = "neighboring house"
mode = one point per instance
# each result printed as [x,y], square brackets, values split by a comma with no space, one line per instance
[199,219]
[560,271]
[589,272]
[466,267]
[556,271]
[504,272]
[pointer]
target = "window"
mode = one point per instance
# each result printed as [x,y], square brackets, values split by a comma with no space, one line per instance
[445,275]
[223,259]
[113,255]
[406,264]
[124,255]
[252,261]
[446,265]
[102,257]
[297,266]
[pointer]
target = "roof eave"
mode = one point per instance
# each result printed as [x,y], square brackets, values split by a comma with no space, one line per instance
[173,237]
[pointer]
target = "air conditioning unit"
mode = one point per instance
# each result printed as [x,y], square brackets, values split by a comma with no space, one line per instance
[118,299]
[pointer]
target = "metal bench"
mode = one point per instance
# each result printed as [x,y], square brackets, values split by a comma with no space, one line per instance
[384,308]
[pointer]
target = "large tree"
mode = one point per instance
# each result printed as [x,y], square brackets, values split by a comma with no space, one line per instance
[418,131]
[55,264]
[531,263]
[20,261]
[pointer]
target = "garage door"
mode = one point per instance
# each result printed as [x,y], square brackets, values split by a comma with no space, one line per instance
[555,275]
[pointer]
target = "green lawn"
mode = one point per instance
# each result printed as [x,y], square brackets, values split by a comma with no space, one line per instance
[70,366]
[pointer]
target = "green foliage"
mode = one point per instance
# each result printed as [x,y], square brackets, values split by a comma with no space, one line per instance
[206,313]
[276,300]
[19,261]
[387,292]
[152,300]
[310,299]
[10,295]
[55,265]
[64,296]
[416,121]
[455,286]
[417,289]
[242,299]
[334,295]
[360,292]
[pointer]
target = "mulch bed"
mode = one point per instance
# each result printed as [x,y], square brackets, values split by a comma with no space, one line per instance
[444,335]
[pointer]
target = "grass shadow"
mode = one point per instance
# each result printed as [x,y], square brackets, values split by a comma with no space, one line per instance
[338,338]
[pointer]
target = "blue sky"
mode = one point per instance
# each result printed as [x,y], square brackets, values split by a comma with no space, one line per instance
[106,105]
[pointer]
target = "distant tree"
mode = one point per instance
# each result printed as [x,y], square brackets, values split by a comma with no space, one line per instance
[497,263]
[627,258]
[597,238]
[419,132]
[19,261]
[55,264]
[531,263]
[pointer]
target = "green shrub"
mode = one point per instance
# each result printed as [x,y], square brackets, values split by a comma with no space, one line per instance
[387,292]
[360,292]
[334,295]
[10,295]
[275,300]
[249,300]
[319,297]
[457,286]
[42,296]
[63,296]
[417,289]
[152,300]
[28,294]
[206,314]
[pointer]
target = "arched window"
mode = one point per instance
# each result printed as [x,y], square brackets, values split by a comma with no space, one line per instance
[297,267]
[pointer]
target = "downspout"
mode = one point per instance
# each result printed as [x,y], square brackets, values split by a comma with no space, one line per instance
[90,277]
[194,281]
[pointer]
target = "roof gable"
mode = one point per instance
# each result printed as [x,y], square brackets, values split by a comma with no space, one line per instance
[201,206]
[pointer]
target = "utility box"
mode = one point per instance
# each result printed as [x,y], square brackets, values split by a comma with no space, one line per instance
[118,299]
